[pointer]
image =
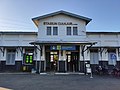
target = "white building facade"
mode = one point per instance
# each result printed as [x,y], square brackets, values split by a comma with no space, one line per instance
[61,44]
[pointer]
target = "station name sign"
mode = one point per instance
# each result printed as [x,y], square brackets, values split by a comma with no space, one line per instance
[58,23]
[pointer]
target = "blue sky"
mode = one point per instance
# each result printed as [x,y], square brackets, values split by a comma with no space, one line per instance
[16,14]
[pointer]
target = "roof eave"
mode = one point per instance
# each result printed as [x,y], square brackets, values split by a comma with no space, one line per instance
[61,43]
[36,19]
[35,22]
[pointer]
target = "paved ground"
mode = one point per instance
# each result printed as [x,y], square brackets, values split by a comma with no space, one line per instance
[58,82]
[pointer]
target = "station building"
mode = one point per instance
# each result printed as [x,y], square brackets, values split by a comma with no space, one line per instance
[61,44]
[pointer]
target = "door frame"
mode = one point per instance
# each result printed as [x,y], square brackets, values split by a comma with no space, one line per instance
[52,68]
[72,63]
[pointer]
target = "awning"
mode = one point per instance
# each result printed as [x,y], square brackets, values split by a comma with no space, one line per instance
[106,47]
[63,43]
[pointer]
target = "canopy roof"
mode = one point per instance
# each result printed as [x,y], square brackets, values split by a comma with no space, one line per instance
[63,43]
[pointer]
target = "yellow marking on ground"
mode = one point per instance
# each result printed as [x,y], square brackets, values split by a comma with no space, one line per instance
[1,88]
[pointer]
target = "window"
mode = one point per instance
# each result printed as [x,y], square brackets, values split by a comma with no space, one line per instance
[94,57]
[48,30]
[55,30]
[75,31]
[68,30]
[10,57]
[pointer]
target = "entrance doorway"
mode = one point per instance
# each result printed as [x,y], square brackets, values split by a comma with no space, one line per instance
[72,61]
[52,60]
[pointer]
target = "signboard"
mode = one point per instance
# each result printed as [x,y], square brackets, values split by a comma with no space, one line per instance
[87,65]
[68,47]
[89,70]
[113,56]
[58,47]
[53,47]
[63,47]
[58,23]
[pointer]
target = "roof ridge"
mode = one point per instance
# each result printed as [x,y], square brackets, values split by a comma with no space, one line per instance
[36,19]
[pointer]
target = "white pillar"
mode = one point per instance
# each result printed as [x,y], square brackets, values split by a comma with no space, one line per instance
[60,57]
[43,53]
[64,55]
[3,55]
[65,58]
[117,54]
[79,56]
[43,57]
[38,54]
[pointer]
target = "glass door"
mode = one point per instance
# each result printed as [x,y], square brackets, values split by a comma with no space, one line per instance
[69,64]
[53,61]
[72,61]
[75,61]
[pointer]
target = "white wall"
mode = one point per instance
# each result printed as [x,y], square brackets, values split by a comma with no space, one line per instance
[62,29]
[17,39]
[105,39]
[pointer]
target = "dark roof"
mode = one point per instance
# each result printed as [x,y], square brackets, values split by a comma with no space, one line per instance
[36,19]
[20,32]
[105,47]
[30,46]
[62,42]
[28,32]
[103,32]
